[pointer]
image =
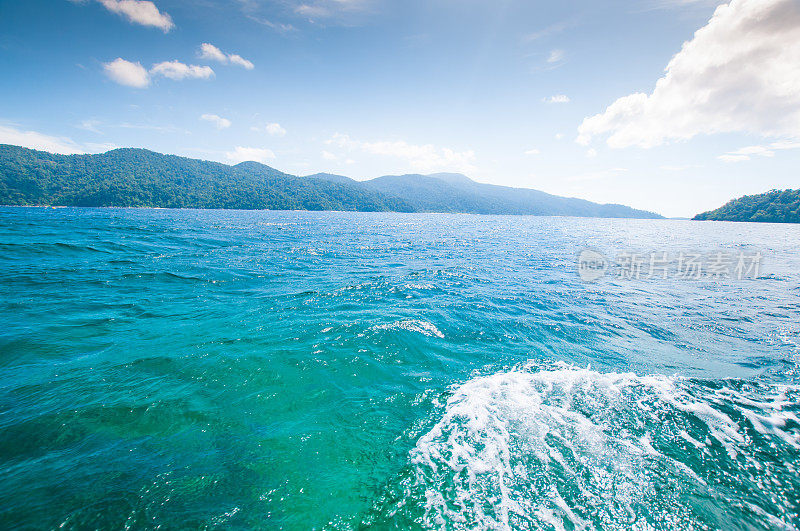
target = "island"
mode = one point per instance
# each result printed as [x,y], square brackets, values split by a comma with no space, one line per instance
[775,206]
[140,178]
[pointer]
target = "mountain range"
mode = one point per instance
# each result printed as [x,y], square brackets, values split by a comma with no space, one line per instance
[141,178]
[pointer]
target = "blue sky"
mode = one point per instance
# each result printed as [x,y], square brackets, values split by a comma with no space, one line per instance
[609,101]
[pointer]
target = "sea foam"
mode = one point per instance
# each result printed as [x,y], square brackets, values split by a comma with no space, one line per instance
[571,448]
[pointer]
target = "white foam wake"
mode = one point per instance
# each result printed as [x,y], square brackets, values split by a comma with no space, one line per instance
[572,448]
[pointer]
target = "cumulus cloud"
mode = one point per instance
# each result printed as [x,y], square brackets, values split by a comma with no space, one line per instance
[127,73]
[532,152]
[746,153]
[218,121]
[424,158]
[140,12]
[178,71]
[558,98]
[245,154]
[135,75]
[42,142]
[739,73]
[212,53]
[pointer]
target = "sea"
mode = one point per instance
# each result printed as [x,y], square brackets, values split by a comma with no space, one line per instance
[190,369]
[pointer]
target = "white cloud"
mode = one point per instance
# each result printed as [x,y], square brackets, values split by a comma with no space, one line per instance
[733,158]
[591,153]
[677,168]
[277,26]
[42,142]
[424,158]
[135,75]
[273,129]
[546,32]
[212,53]
[746,153]
[332,9]
[327,155]
[241,61]
[533,151]
[558,98]
[140,12]
[556,56]
[218,121]
[90,125]
[245,154]
[178,71]
[740,73]
[127,73]
[559,136]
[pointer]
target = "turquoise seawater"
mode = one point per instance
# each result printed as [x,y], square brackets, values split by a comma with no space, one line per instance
[249,370]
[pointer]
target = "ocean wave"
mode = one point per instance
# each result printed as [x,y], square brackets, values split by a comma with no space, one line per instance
[571,448]
[412,325]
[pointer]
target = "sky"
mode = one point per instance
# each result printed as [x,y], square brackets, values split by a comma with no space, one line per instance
[674,106]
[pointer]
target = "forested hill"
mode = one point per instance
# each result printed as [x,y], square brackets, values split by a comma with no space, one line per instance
[139,178]
[775,206]
[453,192]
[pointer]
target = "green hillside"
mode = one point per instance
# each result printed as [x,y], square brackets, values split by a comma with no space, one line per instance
[775,206]
[453,192]
[137,178]
[142,178]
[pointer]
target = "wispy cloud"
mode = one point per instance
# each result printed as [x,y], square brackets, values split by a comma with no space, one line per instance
[558,98]
[273,129]
[336,11]
[678,168]
[246,154]
[532,152]
[90,125]
[34,140]
[424,158]
[212,53]
[746,153]
[218,121]
[140,12]
[165,129]
[549,31]
[277,26]
[556,56]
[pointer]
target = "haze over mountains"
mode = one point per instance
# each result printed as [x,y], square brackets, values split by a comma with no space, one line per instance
[142,178]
